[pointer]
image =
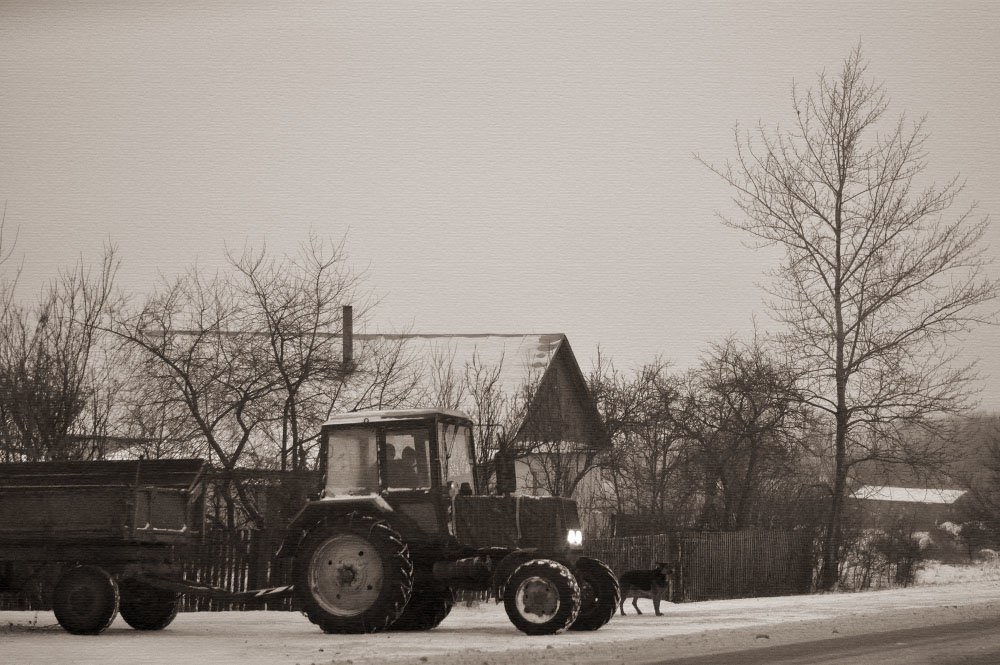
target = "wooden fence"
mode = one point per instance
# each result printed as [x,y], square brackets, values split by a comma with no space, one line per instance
[709,565]
[238,561]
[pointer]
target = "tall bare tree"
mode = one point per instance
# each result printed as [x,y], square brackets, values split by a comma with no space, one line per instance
[49,364]
[294,301]
[875,282]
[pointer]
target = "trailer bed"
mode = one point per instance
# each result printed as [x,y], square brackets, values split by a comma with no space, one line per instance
[138,501]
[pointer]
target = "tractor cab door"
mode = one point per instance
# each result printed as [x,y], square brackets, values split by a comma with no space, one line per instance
[457,456]
[411,477]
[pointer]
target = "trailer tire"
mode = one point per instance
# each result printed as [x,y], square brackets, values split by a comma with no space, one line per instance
[353,575]
[146,607]
[85,600]
[600,594]
[429,605]
[542,597]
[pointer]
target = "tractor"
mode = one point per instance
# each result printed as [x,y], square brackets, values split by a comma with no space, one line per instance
[401,523]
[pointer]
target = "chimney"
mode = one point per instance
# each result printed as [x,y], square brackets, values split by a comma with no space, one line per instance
[347,334]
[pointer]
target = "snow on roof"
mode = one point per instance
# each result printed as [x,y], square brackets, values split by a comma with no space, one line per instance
[906,494]
[357,417]
[519,359]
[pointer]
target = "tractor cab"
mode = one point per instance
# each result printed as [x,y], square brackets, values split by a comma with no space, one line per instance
[388,452]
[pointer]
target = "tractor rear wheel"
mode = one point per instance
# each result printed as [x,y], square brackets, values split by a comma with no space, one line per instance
[85,600]
[541,597]
[146,607]
[353,575]
[600,594]
[428,607]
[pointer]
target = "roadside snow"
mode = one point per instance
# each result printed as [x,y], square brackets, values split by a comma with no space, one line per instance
[484,635]
[934,572]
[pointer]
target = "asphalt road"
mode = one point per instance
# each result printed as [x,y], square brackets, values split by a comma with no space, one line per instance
[967,643]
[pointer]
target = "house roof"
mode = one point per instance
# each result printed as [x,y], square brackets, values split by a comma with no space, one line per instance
[360,417]
[907,494]
[520,359]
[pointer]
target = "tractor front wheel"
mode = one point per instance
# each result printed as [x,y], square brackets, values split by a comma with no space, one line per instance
[541,597]
[600,593]
[353,575]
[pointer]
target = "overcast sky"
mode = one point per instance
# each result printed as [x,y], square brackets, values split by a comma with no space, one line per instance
[499,167]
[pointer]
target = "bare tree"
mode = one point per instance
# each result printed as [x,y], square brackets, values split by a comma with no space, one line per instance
[48,364]
[875,281]
[216,386]
[294,301]
[640,470]
[739,413]
[242,367]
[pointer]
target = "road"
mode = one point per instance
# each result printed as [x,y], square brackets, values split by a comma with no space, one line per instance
[966,643]
[949,624]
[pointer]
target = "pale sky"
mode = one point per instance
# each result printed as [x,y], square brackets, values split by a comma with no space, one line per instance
[499,167]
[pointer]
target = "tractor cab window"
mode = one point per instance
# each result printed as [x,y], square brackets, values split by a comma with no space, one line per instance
[407,458]
[455,442]
[352,462]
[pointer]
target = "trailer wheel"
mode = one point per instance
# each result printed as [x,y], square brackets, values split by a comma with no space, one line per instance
[600,594]
[353,575]
[146,607]
[429,605]
[85,600]
[542,597]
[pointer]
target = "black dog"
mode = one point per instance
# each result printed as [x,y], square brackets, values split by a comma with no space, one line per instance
[654,584]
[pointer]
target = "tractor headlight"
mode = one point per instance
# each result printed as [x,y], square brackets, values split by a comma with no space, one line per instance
[574,537]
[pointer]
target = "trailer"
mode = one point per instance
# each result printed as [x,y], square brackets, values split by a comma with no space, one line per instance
[94,539]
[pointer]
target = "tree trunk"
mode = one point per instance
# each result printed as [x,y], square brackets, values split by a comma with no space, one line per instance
[830,572]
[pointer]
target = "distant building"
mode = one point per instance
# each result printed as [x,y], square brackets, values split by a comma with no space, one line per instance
[919,508]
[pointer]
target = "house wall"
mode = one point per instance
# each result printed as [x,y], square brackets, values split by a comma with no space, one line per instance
[915,515]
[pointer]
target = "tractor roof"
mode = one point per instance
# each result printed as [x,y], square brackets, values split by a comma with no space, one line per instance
[359,417]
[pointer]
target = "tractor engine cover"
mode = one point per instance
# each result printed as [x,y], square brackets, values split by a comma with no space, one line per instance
[516,522]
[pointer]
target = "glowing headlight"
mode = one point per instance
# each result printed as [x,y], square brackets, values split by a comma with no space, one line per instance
[574,537]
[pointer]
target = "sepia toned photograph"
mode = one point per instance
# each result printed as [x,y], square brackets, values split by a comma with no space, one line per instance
[622,332]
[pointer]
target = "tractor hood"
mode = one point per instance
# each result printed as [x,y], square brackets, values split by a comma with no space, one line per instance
[522,522]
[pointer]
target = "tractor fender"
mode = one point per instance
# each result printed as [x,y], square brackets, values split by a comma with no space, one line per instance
[506,566]
[320,510]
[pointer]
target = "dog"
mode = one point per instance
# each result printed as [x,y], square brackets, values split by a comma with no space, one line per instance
[655,584]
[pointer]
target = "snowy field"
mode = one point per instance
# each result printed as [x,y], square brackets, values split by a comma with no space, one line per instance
[483,635]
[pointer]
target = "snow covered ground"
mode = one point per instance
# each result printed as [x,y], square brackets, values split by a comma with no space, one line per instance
[483,635]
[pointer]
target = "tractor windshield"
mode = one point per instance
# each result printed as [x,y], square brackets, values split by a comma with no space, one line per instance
[456,453]
[353,462]
[407,457]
